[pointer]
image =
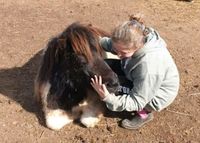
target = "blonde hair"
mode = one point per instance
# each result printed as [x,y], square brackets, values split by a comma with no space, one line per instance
[130,31]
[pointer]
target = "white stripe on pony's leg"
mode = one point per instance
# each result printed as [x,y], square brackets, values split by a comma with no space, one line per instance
[56,119]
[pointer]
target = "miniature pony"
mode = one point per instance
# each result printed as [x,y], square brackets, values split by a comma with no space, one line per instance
[62,85]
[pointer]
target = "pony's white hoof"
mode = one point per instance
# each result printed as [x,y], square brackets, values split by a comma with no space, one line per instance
[56,119]
[89,122]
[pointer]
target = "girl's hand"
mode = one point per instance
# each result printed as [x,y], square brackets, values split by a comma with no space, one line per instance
[99,87]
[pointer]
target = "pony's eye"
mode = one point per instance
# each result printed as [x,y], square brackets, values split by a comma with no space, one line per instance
[111,84]
[82,59]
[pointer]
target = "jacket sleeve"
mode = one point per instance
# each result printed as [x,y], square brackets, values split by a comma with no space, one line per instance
[106,43]
[145,86]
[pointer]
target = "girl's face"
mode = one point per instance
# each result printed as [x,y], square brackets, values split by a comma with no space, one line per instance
[124,50]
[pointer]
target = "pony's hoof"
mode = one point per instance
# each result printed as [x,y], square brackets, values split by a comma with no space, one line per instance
[56,119]
[89,122]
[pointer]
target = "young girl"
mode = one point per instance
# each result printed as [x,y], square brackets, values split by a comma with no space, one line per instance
[146,62]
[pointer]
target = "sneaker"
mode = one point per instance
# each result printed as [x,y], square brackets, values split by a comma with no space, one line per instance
[136,122]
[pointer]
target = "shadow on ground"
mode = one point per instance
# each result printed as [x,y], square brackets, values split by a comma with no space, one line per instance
[17,84]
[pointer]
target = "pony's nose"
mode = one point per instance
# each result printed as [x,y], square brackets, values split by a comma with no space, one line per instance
[113,83]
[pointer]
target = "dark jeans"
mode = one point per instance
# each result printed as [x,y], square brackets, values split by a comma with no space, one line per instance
[125,84]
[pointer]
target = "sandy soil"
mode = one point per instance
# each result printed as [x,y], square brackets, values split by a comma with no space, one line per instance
[25,28]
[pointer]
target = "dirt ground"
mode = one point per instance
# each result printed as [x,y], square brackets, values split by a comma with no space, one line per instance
[25,28]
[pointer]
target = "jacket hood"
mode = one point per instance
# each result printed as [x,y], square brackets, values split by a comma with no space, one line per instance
[153,41]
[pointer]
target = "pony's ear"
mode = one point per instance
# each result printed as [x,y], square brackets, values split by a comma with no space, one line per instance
[62,43]
[59,49]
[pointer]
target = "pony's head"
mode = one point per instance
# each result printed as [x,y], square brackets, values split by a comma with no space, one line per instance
[83,42]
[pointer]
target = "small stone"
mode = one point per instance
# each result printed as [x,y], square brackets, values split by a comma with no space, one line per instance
[186,71]
[9,102]
[110,129]
[14,123]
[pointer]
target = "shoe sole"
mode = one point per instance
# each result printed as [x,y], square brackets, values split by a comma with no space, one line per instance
[137,127]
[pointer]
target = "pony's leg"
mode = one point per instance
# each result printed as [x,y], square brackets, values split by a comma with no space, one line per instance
[55,118]
[92,111]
